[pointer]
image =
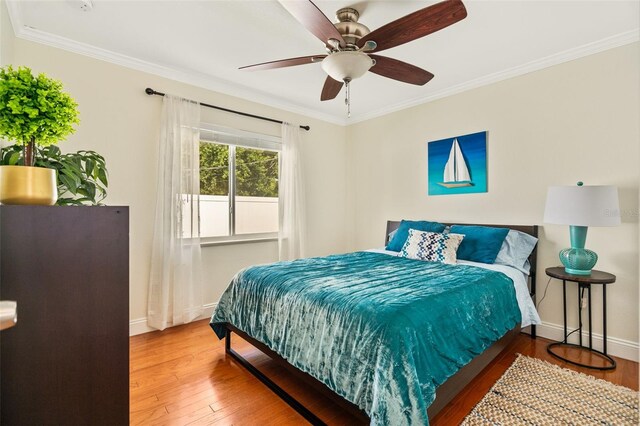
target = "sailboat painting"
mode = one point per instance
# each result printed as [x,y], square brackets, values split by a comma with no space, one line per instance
[458,165]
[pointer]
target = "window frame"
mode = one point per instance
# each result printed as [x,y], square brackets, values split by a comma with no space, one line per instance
[251,140]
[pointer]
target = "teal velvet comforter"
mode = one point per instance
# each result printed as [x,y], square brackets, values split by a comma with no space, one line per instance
[381,331]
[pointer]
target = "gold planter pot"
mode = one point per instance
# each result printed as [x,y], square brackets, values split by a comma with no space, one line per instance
[28,185]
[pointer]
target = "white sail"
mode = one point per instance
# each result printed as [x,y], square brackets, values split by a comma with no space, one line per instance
[462,171]
[450,166]
[456,172]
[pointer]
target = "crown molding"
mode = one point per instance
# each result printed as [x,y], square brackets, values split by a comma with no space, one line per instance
[233,89]
[548,61]
[189,77]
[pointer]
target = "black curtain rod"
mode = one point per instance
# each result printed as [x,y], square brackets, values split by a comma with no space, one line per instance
[150,92]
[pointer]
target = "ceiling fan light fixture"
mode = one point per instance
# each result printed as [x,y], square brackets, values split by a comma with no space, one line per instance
[347,65]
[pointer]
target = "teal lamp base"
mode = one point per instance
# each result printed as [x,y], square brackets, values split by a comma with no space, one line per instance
[577,260]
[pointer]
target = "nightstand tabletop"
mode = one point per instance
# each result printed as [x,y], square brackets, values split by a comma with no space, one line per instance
[596,277]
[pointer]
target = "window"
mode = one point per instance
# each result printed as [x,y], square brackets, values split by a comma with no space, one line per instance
[238,184]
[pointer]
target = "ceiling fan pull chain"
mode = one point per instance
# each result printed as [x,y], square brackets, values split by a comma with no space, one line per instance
[347,99]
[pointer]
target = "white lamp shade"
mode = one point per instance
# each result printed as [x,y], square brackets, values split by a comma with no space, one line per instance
[593,205]
[346,65]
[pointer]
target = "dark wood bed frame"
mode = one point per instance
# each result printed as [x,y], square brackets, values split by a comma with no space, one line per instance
[445,392]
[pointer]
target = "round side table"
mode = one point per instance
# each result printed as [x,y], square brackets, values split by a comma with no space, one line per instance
[584,283]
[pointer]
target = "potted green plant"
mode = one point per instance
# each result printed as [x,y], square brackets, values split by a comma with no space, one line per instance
[34,111]
[82,175]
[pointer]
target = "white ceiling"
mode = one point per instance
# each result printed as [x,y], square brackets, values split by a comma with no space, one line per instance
[204,43]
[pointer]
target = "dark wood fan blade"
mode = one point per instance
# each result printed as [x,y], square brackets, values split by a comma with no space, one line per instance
[282,63]
[330,89]
[417,24]
[313,20]
[401,71]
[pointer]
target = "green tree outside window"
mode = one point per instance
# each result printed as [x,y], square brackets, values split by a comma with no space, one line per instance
[256,171]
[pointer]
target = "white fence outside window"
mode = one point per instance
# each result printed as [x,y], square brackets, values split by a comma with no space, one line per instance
[254,215]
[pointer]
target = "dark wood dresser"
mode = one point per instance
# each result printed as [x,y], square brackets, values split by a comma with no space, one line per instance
[66,361]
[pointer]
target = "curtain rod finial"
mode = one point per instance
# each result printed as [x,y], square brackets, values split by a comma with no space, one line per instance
[149,91]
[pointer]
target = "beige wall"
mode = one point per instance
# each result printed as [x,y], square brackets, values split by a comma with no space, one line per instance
[6,36]
[121,122]
[574,121]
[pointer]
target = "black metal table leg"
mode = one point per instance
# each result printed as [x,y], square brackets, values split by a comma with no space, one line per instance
[590,333]
[534,294]
[580,315]
[564,308]
[584,283]
[604,319]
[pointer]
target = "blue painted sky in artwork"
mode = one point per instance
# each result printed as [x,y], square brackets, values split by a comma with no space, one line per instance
[474,150]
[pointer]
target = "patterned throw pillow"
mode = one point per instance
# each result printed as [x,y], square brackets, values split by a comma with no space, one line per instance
[431,246]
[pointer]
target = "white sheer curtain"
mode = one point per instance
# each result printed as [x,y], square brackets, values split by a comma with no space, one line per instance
[175,282]
[291,238]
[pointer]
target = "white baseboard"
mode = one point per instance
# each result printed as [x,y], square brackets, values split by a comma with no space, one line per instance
[139,326]
[617,347]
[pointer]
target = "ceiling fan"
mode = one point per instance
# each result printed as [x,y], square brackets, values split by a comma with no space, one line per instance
[350,45]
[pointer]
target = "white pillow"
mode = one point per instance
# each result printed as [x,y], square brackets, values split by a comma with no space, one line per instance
[431,246]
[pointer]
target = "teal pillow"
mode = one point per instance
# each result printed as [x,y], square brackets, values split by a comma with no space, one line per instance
[480,243]
[401,235]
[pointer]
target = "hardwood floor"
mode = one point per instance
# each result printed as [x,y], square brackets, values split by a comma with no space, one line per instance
[181,376]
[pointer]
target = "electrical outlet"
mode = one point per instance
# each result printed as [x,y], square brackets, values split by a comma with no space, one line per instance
[583,302]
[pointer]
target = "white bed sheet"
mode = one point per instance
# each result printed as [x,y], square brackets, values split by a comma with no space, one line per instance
[527,308]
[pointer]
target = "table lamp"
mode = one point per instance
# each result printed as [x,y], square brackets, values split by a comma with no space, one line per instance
[579,207]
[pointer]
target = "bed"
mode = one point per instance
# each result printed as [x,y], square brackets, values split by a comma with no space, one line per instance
[391,339]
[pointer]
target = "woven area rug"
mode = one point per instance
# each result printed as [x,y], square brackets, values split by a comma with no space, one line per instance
[535,392]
